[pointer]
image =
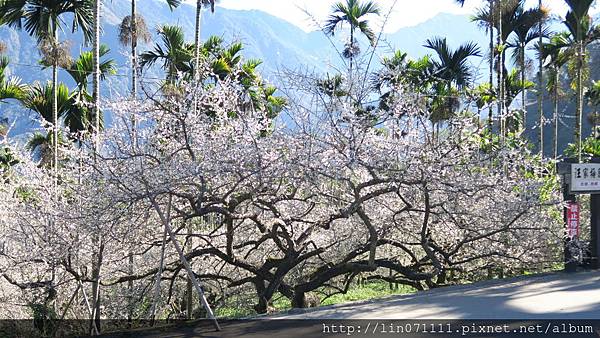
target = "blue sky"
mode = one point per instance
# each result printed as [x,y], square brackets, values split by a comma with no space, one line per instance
[405,13]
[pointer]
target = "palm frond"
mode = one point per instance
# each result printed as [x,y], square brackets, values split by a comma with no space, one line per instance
[39,99]
[40,18]
[173,4]
[129,31]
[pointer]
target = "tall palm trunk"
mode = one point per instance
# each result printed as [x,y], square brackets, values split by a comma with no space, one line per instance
[197,39]
[490,108]
[578,128]
[96,73]
[134,63]
[556,81]
[540,93]
[523,91]
[134,69]
[55,110]
[500,70]
[189,301]
[97,244]
[351,46]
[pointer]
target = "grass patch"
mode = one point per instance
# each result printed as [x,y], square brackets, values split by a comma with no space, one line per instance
[370,290]
[367,291]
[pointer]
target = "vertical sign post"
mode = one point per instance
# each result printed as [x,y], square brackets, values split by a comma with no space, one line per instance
[595,229]
[570,263]
[572,219]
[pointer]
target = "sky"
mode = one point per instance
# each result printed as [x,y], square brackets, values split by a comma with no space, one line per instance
[406,13]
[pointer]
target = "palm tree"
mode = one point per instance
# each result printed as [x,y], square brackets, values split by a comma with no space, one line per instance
[79,117]
[500,16]
[96,83]
[40,99]
[515,85]
[540,89]
[583,32]
[173,4]
[526,25]
[452,65]
[82,68]
[482,95]
[199,5]
[556,56]
[10,87]
[173,52]
[593,96]
[353,13]
[43,19]
[225,59]
[132,30]
[41,145]
[490,29]
[451,68]
[400,70]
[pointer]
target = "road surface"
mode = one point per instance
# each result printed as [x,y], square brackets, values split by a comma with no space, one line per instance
[545,297]
[553,296]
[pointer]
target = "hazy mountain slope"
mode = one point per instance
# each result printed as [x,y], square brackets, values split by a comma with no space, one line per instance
[275,41]
[456,28]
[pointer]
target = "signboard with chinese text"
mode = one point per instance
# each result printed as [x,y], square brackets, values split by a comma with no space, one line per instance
[573,219]
[585,177]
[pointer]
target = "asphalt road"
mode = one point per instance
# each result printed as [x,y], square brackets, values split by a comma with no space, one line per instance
[546,297]
[553,296]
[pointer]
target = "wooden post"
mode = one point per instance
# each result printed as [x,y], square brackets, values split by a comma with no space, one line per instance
[595,229]
[185,262]
[89,307]
[158,277]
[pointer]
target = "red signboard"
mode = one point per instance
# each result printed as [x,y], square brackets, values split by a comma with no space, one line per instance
[573,219]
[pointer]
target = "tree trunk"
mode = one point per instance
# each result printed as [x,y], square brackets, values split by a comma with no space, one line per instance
[55,124]
[97,258]
[263,303]
[189,286]
[523,91]
[540,93]
[351,52]
[555,115]
[499,70]
[197,40]
[299,300]
[96,73]
[55,111]
[490,108]
[196,74]
[130,304]
[134,66]
[158,277]
[578,128]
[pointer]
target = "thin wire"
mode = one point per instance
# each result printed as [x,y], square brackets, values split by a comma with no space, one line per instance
[77,70]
